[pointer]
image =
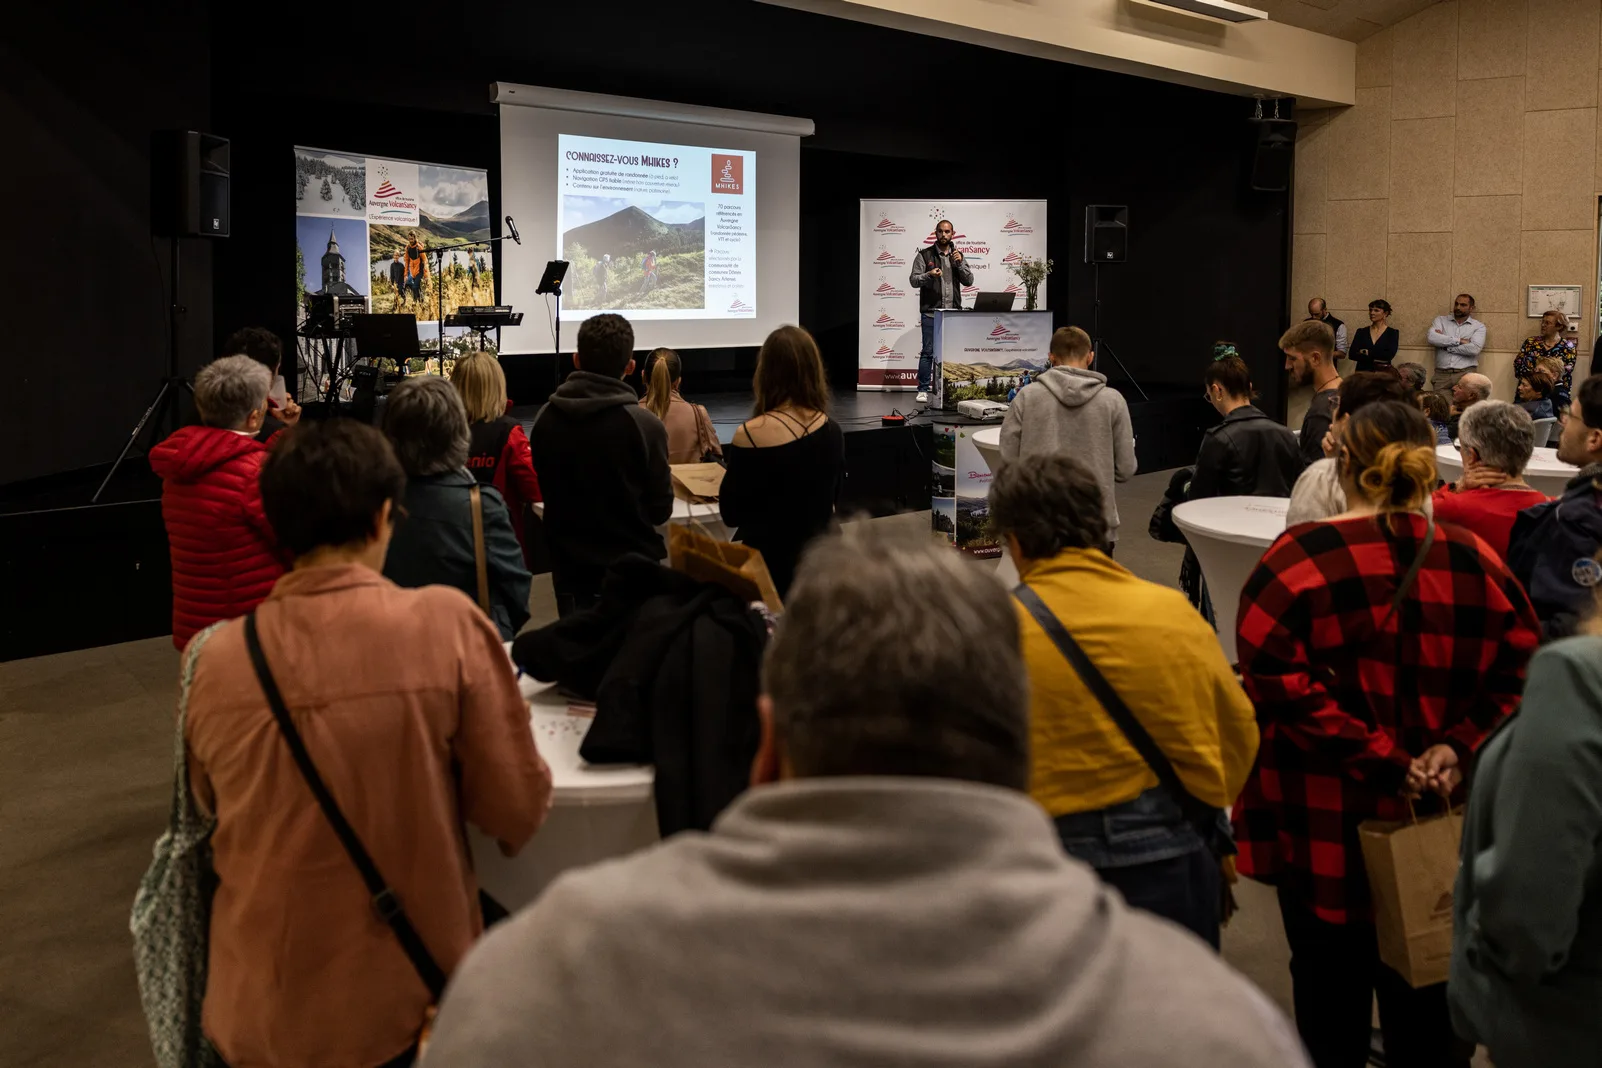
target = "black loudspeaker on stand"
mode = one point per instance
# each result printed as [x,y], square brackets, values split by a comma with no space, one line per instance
[1106,241]
[189,197]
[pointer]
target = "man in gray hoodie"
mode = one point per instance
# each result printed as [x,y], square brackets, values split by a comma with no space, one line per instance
[886,893]
[1070,410]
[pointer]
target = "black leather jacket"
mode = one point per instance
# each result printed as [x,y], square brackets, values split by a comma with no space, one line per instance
[1248,454]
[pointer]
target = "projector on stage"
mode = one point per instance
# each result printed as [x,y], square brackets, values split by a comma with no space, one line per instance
[982,409]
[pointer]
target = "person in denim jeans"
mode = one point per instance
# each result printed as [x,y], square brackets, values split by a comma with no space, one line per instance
[1161,658]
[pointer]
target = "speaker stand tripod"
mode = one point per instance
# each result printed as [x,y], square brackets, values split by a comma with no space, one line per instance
[165,409]
[1097,344]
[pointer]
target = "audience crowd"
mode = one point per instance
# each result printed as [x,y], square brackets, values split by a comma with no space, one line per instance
[981,828]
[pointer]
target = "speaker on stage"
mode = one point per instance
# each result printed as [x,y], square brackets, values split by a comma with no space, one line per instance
[1276,148]
[189,194]
[1106,233]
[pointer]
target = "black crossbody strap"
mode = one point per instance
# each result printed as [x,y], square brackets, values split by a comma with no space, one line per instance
[1098,685]
[385,900]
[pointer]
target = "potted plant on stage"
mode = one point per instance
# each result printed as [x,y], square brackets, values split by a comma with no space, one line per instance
[1031,273]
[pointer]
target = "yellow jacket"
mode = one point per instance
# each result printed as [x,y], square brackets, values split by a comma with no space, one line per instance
[1164,661]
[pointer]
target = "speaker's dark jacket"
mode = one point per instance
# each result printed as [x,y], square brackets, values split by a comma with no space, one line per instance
[929,288]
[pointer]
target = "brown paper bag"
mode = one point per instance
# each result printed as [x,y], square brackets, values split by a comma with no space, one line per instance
[697,483]
[1412,870]
[737,568]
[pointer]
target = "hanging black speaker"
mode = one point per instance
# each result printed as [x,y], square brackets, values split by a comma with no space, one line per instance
[1276,149]
[1106,233]
[189,179]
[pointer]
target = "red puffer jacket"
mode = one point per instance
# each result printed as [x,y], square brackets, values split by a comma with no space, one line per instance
[224,559]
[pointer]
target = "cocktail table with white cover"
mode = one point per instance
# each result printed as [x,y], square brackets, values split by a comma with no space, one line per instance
[1545,472]
[1229,536]
[597,812]
[988,442]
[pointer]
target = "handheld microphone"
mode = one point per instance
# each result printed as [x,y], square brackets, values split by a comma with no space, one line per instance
[512,226]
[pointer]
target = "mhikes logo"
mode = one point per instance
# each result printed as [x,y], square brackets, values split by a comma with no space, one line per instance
[885,352]
[887,227]
[1013,226]
[728,173]
[1000,334]
[741,306]
[886,321]
[885,290]
[886,258]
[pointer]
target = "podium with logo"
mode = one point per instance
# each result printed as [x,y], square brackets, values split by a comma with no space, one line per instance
[987,355]
[978,356]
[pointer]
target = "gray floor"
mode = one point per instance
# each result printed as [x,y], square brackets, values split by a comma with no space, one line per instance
[85,766]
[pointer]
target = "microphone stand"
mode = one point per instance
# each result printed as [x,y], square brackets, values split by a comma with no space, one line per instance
[438,252]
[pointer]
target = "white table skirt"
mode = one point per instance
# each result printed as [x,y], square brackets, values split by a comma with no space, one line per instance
[1229,536]
[597,812]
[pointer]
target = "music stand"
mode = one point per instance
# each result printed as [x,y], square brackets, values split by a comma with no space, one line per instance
[388,337]
[551,282]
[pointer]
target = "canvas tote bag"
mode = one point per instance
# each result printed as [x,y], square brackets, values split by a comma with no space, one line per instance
[171,921]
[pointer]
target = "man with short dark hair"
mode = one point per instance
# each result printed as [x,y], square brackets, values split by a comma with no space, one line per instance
[225,558]
[1318,312]
[1554,546]
[1162,659]
[1070,410]
[939,272]
[1458,340]
[264,346]
[1309,349]
[884,893]
[602,458]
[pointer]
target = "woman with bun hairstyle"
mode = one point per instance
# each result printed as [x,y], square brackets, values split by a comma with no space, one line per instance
[1379,647]
[691,439]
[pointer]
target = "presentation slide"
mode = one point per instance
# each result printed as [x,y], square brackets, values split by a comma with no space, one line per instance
[660,212]
[657,231]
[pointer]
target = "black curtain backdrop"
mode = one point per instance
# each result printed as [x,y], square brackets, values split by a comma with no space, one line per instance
[1208,258]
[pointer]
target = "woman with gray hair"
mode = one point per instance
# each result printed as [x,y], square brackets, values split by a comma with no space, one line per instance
[1496,439]
[452,531]
[225,557]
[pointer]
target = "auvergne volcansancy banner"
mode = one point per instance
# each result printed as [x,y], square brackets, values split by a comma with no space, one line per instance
[991,234]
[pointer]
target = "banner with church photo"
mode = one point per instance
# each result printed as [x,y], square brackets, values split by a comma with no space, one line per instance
[991,234]
[364,226]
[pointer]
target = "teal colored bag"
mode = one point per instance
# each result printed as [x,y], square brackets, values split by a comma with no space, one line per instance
[171,921]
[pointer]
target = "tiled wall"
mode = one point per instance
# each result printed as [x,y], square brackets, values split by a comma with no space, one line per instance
[1470,163]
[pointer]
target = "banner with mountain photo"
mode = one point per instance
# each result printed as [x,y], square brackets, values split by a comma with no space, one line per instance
[992,236]
[366,226]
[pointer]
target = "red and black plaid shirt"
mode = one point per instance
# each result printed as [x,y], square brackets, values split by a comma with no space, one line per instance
[1346,698]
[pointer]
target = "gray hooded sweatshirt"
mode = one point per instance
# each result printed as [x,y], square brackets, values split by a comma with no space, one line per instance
[852,923]
[1071,411]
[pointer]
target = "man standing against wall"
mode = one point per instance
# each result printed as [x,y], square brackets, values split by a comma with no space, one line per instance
[1318,311]
[938,273]
[1457,339]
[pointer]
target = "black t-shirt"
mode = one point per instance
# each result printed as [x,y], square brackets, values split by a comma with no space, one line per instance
[1315,424]
[782,496]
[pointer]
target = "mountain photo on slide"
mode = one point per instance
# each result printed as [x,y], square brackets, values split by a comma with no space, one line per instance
[608,242]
